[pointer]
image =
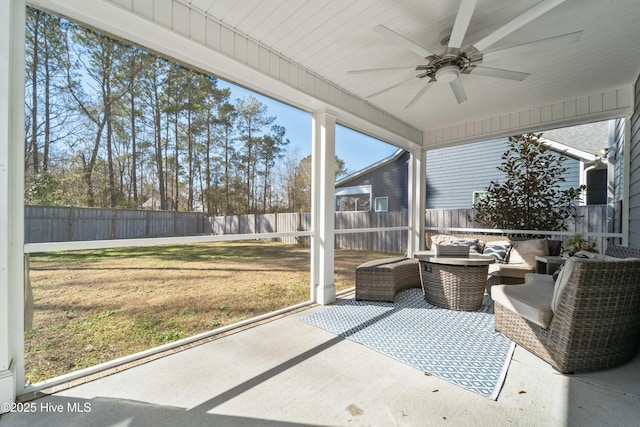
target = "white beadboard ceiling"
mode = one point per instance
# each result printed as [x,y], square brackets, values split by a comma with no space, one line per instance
[330,38]
[300,51]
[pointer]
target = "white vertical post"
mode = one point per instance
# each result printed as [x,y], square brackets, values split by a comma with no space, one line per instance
[323,289]
[12,26]
[626,169]
[417,185]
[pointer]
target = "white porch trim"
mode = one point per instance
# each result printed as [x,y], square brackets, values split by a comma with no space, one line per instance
[417,194]
[626,169]
[189,35]
[12,30]
[587,109]
[323,288]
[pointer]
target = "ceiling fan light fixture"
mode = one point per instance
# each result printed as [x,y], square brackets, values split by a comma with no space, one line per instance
[447,74]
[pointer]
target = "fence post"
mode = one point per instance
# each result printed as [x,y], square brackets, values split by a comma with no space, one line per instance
[71,221]
[114,215]
[175,222]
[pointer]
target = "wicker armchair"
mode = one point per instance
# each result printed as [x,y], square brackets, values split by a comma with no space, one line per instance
[589,320]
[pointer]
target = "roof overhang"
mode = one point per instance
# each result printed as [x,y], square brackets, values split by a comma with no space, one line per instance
[300,55]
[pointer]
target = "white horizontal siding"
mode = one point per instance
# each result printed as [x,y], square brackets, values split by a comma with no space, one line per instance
[600,106]
[206,30]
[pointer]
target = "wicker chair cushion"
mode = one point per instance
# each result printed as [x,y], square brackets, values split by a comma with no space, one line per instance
[525,251]
[531,301]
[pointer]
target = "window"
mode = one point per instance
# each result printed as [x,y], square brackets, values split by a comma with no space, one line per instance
[382,204]
[352,199]
[479,195]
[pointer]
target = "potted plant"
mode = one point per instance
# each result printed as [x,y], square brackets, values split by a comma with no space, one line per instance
[578,243]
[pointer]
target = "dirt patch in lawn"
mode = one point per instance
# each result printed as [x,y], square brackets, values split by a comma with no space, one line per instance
[96,306]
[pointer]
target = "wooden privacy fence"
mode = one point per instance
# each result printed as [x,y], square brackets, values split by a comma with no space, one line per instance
[589,220]
[59,224]
[62,224]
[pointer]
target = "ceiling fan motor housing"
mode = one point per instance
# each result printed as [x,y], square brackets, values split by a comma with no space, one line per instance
[449,68]
[447,74]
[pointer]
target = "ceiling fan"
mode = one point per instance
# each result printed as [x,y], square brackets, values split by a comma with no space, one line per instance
[455,61]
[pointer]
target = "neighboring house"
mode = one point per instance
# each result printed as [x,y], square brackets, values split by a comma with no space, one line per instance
[380,187]
[597,139]
[152,203]
[456,176]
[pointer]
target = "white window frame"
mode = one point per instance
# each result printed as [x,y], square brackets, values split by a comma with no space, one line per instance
[375,205]
[478,195]
[351,191]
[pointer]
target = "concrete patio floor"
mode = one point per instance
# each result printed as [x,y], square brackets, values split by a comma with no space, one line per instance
[287,372]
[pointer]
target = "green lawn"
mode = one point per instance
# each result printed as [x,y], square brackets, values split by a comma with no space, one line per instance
[95,306]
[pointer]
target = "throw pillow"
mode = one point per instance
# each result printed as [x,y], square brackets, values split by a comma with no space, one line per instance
[499,250]
[472,243]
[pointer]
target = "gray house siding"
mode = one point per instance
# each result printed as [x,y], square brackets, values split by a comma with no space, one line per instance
[634,172]
[388,180]
[454,173]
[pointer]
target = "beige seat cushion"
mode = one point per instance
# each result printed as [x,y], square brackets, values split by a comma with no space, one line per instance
[510,270]
[531,301]
[525,251]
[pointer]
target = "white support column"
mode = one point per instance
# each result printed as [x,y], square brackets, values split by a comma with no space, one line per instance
[417,194]
[626,170]
[323,288]
[12,26]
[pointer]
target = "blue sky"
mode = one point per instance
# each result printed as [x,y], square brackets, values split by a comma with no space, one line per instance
[356,149]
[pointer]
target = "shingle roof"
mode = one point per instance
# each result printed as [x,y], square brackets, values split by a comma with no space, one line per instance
[590,137]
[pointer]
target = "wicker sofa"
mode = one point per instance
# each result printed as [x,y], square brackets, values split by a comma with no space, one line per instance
[585,320]
[520,253]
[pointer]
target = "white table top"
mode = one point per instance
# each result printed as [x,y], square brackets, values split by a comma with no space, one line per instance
[430,256]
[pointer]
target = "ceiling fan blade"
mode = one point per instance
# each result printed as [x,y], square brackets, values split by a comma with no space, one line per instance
[375,70]
[547,43]
[499,73]
[390,87]
[461,24]
[514,24]
[458,90]
[402,41]
[421,92]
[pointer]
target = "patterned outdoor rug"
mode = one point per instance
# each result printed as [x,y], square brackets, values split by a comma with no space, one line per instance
[458,346]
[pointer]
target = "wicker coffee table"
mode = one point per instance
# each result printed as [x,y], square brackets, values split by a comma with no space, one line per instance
[455,283]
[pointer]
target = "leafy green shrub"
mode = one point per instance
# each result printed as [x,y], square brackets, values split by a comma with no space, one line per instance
[530,197]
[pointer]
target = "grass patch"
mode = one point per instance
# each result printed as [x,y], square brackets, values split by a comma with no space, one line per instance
[97,305]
